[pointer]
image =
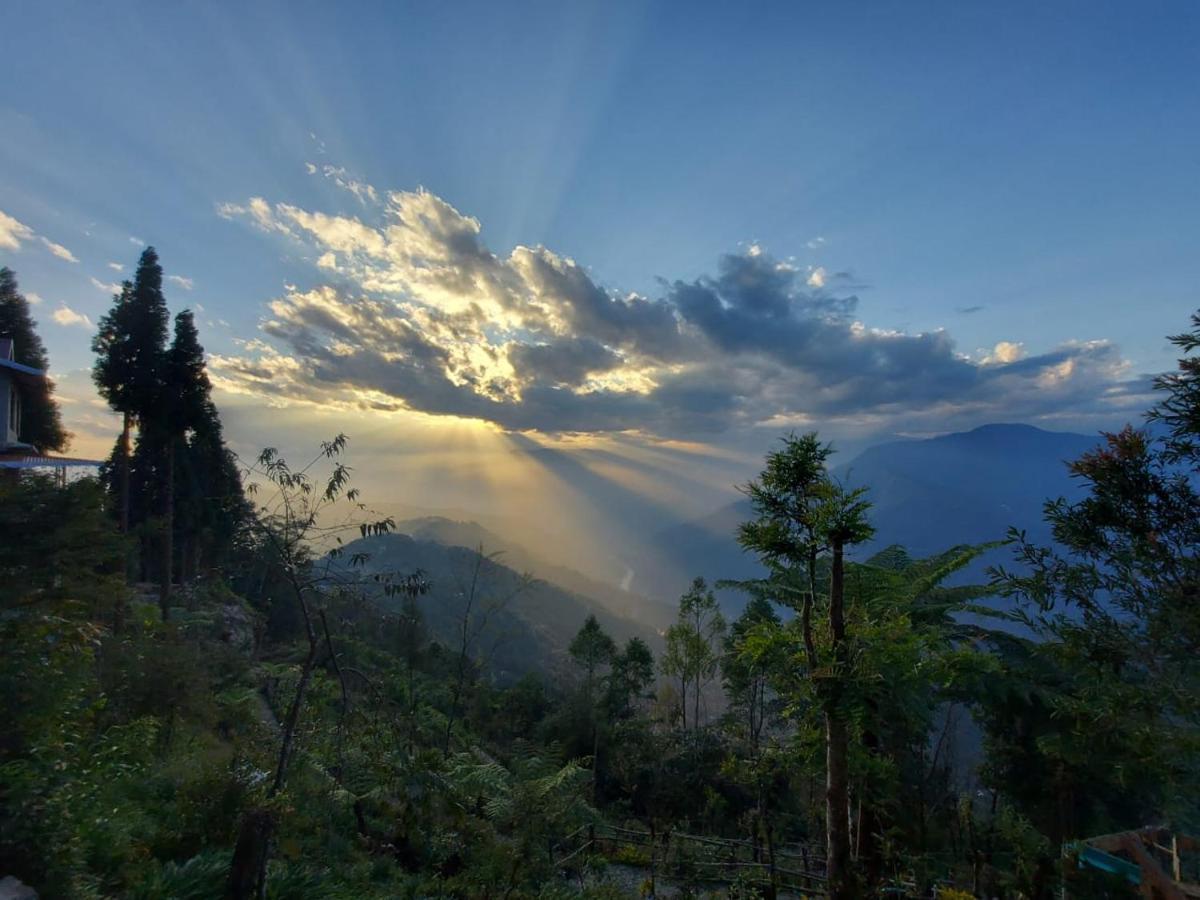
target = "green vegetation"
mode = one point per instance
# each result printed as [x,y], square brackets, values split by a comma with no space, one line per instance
[300,709]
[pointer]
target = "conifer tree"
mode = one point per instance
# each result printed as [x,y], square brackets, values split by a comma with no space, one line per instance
[130,353]
[185,388]
[210,503]
[41,424]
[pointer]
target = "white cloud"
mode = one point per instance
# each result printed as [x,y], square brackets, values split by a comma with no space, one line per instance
[137,241]
[816,277]
[67,317]
[816,243]
[35,299]
[108,287]
[59,250]
[186,283]
[13,232]
[342,179]
[116,267]
[1005,352]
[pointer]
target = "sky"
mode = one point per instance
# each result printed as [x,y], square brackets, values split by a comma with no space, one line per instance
[595,257]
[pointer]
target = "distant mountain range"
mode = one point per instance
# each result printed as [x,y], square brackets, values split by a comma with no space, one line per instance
[927,495]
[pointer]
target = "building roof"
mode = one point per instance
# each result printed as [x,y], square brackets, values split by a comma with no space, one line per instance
[21,367]
[25,459]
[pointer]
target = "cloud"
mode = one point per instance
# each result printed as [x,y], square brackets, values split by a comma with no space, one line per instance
[34,299]
[109,287]
[968,310]
[116,267]
[58,250]
[412,311]
[67,317]
[13,233]
[1005,352]
[816,243]
[339,176]
[137,241]
[186,283]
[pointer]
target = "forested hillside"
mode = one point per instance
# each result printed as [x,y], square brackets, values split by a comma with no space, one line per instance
[226,677]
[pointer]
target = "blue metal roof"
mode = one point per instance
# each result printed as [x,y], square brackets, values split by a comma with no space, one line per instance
[21,367]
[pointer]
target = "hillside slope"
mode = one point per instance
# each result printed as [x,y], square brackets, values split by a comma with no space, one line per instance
[522,625]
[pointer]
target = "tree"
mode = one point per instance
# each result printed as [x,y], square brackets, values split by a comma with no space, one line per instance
[186,405]
[630,680]
[41,423]
[129,349]
[1114,604]
[803,515]
[592,648]
[211,507]
[746,678]
[692,653]
[289,525]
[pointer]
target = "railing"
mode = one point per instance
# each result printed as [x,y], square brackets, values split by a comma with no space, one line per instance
[680,856]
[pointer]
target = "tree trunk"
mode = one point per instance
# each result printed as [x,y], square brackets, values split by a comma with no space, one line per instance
[249,864]
[124,474]
[837,799]
[837,774]
[168,541]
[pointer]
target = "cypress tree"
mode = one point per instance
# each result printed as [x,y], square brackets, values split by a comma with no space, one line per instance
[186,388]
[129,348]
[41,423]
[211,506]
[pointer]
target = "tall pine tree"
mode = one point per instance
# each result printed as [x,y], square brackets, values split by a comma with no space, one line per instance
[41,424]
[185,388]
[130,357]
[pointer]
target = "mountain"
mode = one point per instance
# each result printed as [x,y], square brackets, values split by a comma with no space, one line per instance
[470,534]
[520,625]
[927,495]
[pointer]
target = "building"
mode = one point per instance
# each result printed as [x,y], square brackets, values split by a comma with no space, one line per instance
[16,454]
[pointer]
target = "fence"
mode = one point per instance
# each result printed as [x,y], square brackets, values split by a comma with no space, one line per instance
[700,859]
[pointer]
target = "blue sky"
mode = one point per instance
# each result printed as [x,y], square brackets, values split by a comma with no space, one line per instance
[1002,188]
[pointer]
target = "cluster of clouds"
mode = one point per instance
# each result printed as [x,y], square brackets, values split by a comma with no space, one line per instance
[14,233]
[411,310]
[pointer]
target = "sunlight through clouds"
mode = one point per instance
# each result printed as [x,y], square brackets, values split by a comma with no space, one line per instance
[412,311]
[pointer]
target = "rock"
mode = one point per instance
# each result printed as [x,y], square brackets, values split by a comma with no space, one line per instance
[15,889]
[237,627]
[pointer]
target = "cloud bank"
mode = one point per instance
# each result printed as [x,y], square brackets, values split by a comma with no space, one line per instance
[411,310]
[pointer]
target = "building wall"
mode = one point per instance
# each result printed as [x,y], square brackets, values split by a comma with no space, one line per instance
[7,432]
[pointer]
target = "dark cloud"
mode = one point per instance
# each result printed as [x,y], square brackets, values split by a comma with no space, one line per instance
[565,361]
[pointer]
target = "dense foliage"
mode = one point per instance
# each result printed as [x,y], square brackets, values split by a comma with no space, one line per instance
[299,718]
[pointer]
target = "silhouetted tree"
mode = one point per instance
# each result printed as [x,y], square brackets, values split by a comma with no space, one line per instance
[41,423]
[130,354]
[185,401]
